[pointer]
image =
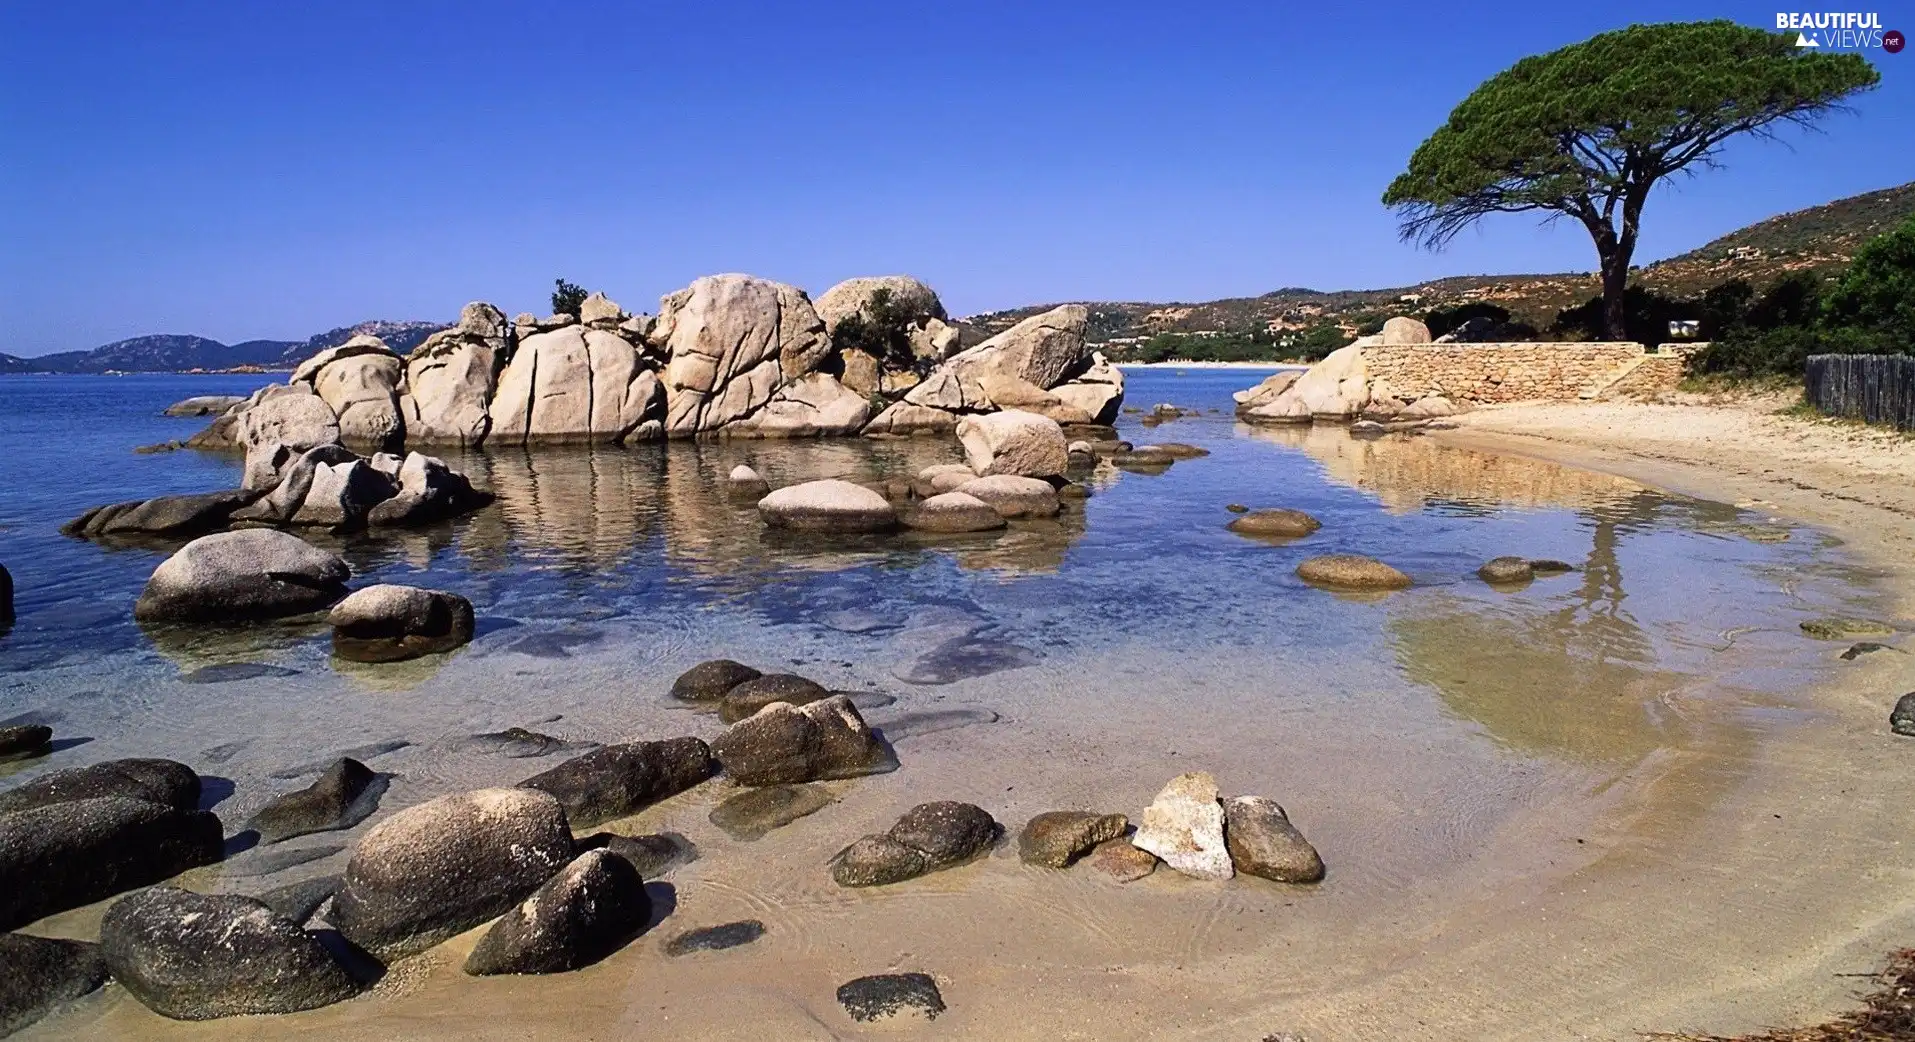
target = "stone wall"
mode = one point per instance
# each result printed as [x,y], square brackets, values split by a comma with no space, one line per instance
[1655,374]
[1487,374]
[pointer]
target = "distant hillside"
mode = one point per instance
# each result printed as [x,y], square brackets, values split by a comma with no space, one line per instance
[174,353]
[1822,239]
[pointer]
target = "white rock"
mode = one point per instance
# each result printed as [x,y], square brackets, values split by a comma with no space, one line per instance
[1014,442]
[1184,827]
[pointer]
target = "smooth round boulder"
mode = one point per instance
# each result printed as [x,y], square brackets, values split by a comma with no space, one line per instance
[166,782]
[584,913]
[1275,524]
[744,483]
[391,623]
[708,681]
[1352,572]
[1263,843]
[755,694]
[1056,838]
[954,512]
[195,956]
[877,860]
[68,854]
[38,975]
[1901,719]
[946,831]
[940,478]
[1506,570]
[830,505]
[438,869]
[1014,442]
[242,576]
[1012,496]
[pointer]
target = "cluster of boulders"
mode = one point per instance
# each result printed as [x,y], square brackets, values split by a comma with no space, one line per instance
[731,355]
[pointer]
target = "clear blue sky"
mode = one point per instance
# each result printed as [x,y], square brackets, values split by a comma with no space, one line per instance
[276,169]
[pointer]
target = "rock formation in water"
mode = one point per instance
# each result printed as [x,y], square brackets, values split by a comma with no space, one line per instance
[727,356]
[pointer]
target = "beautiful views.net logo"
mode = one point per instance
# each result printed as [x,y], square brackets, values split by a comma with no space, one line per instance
[1840,30]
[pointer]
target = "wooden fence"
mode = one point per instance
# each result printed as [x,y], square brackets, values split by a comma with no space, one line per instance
[1876,388]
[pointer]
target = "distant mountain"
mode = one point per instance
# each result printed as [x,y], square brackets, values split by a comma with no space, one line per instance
[175,353]
[1820,239]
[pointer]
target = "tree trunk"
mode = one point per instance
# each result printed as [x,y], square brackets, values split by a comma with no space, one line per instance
[1615,311]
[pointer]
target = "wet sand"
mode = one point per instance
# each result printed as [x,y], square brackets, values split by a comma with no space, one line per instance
[1539,824]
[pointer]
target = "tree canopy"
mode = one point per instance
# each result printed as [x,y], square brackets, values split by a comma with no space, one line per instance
[1587,130]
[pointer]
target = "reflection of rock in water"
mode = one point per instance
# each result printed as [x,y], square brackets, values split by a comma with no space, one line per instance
[963,657]
[1407,472]
[227,672]
[931,721]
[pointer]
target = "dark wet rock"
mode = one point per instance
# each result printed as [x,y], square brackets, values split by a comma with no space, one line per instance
[22,740]
[1506,570]
[584,913]
[300,901]
[357,752]
[64,855]
[964,657]
[889,995]
[755,694]
[1262,842]
[877,860]
[166,782]
[1237,508]
[1547,566]
[1121,861]
[38,975]
[440,868]
[715,938]
[263,861]
[652,855]
[1841,628]
[1176,450]
[1144,459]
[1351,572]
[1901,719]
[620,780]
[1056,838]
[1275,524]
[174,517]
[783,744]
[389,623]
[517,743]
[240,577]
[708,681]
[228,672]
[929,837]
[1867,647]
[751,814]
[342,797]
[199,956]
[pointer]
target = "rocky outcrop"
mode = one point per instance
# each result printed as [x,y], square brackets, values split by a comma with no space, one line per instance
[242,576]
[1041,352]
[280,427]
[733,341]
[812,405]
[1098,391]
[1336,388]
[360,381]
[450,379]
[575,384]
[1267,391]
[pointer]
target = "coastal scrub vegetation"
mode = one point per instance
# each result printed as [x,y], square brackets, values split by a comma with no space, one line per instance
[1255,345]
[881,329]
[1586,131]
[567,297]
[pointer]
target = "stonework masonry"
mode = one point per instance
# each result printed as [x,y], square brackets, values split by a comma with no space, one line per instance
[1489,374]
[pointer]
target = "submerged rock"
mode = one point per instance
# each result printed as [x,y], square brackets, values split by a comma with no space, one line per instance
[342,797]
[1843,628]
[715,938]
[954,512]
[38,975]
[889,995]
[709,681]
[1860,648]
[241,577]
[751,814]
[1121,861]
[786,744]
[584,913]
[652,855]
[1184,826]
[1351,572]
[619,780]
[1506,570]
[390,623]
[747,698]
[1056,838]
[828,506]
[744,483]
[1012,496]
[1275,524]
[195,956]
[1262,842]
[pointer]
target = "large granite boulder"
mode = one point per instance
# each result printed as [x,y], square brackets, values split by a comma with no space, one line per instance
[38,975]
[296,477]
[1268,390]
[278,428]
[429,491]
[814,404]
[579,916]
[1098,391]
[733,341]
[783,744]
[359,380]
[1043,351]
[905,296]
[954,512]
[241,577]
[195,956]
[616,781]
[1015,442]
[1336,388]
[1402,330]
[573,384]
[906,419]
[831,505]
[1184,826]
[390,623]
[440,868]
[67,854]
[450,379]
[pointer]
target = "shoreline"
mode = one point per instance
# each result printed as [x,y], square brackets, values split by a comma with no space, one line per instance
[1211,365]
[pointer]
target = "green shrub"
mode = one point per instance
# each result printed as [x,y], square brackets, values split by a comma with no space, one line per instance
[567,298]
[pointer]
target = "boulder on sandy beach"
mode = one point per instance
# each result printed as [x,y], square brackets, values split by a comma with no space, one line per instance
[1262,842]
[1275,524]
[785,744]
[830,505]
[343,796]
[1014,442]
[1120,861]
[708,681]
[390,623]
[1184,826]
[242,577]
[579,916]
[166,782]
[195,956]
[440,868]
[23,741]
[1013,496]
[929,837]
[953,512]
[39,975]
[756,693]
[1056,838]
[891,996]
[616,781]
[1352,572]
[64,855]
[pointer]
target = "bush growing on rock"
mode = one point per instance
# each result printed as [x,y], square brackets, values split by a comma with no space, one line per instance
[567,297]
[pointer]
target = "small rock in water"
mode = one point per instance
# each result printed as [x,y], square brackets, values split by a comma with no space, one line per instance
[744,483]
[751,814]
[929,837]
[556,644]
[1263,843]
[617,780]
[1177,450]
[1842,628]
[1184,826]
[517,743]
[227,672]
[708,681]
[342,797]
[877,860]
[891,995]
[1351,572]
[38,975]
[1546,566]
[1121,861]
[581,915]
[1275,524]
[1237,508]
[23,740]
[652,855]
[1056,838]
[752,695]
[1506,570]
[715,938]
[786,744]
[1902,718]
[1866,647]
